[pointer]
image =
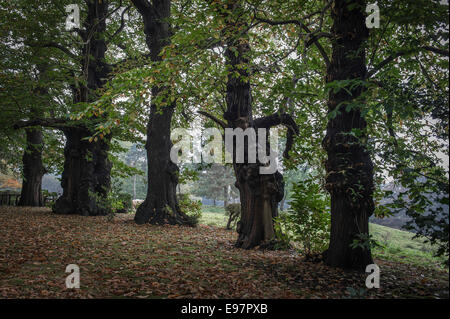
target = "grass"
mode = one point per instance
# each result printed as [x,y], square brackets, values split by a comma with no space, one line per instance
[213,216]
[397,245]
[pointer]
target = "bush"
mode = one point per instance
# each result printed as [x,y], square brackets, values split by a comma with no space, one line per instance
[233,211]
[307,222]
[115,201]
[49,197]
[192,208]
[127,202]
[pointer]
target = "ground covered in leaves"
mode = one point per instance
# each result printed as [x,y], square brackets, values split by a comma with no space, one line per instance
[119,259]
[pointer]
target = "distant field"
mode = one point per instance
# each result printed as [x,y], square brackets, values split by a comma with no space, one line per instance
[397,245]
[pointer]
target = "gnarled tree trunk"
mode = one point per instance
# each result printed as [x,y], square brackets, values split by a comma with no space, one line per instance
[160,205]
[33,169]
[349,167]
[259,193]
[86,175]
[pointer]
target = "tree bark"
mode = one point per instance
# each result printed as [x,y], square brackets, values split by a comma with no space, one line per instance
[33,169]
[86,175]
[160,205]
[134,186]
[259,193]
[283,201]
[225,196]
[349,167]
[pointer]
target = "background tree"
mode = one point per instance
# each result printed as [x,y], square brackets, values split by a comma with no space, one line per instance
[86,174]
[216,182]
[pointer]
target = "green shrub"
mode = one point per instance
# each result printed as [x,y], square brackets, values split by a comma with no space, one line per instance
[49,197]
[233,211]
[192,208]
[127,202]
[115,201]
[307,222]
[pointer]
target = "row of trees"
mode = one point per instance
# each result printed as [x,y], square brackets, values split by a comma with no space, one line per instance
[358,106]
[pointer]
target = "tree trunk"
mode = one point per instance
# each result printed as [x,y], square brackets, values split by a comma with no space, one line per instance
[86,176]
[282,201]
[160,205]
[33,169]
[225,196]
[134,187]
[259,193]
[349,167]
[259,196]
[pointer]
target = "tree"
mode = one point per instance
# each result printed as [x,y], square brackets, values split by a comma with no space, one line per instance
[349,167]
[25,80]
[33,170]
[86,174]
[160,205]
[215,182]
[357,127]
[259,193]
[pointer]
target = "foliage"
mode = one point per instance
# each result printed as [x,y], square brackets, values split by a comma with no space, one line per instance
[433,225]
[8,181]
[192,208]
[115,201]
[233,211]
[127,202]
[214,182]
[49,197]
[307,222]
[364,241]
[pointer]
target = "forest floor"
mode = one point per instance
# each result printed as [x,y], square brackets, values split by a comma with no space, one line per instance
[119,259]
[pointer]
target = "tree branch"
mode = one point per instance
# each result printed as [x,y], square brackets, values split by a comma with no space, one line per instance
[144,7]
[122,25]
[392,57]
[52,122]
[436,50]
[277,119]
[215,119]
[313,39]
[53,45]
